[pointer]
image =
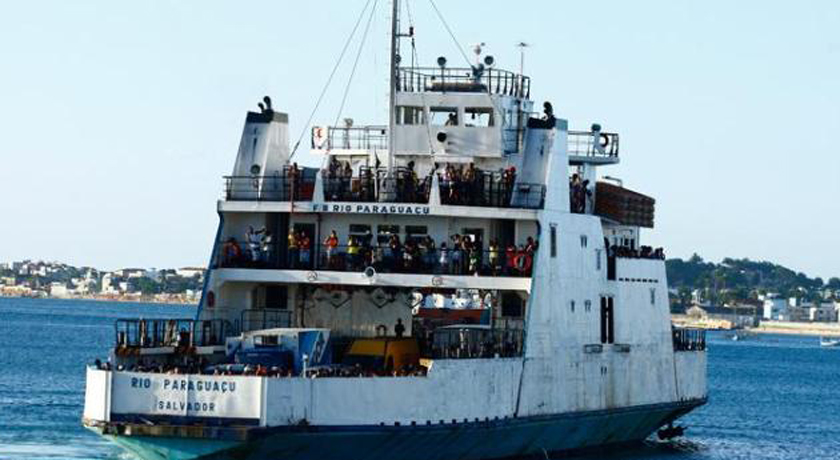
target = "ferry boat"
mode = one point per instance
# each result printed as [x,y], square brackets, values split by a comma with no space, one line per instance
[456,284]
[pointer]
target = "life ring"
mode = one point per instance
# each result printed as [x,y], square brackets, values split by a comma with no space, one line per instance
[437,281]
[603,140]
[382,328]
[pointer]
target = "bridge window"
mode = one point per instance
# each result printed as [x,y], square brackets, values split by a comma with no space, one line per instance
[443,116]
[408,115]
[481,117]
[553,241]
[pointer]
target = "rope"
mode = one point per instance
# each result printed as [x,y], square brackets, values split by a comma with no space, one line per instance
[355,63]
[329,80]
[452,35]
[415,58]
[466,59]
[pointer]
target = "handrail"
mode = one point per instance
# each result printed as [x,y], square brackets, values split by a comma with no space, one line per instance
[503,262]
[462,79]
[593,144]
[688,339]
[168,332]
[269,188]
[349,138]
[473,343]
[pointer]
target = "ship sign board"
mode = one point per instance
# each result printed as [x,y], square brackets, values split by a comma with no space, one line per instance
[186,395]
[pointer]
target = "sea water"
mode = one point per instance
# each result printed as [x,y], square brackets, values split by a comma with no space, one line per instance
[770,397]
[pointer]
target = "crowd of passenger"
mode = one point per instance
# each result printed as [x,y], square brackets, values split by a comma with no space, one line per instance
[460,184]
[644,252]
[404,185]
[460,255]
[199,367]
[470,186]
[409,370]
[256,249]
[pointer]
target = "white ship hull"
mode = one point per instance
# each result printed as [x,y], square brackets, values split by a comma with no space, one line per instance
[521,437]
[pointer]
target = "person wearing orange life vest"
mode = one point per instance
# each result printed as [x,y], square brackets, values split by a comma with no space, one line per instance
[510,260]
[331,244]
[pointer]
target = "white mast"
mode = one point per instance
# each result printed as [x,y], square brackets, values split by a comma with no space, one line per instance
[392,109]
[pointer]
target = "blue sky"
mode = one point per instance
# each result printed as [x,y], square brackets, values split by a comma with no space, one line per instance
[118,120]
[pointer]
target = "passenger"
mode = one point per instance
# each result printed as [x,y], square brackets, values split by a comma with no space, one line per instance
[444,265]
[475,260]
[395,247]
[452,119]
[304,248]
[510,260]
[399,329]
[293,249]
[531,245]
[267,247]
[494,259]
[331,244]
[457,249]
[252,239]
[231,253]
[548,115]
[429,252]
[352,253]
[294,181]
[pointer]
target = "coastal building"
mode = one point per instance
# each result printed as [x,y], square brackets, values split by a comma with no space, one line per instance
[775,308]
[59,289]
[189,272]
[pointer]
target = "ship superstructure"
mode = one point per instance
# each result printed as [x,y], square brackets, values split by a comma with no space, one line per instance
[456,284]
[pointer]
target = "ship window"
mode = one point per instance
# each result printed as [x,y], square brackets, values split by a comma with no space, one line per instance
[408,115]
[359,229]
[480,117]
[415,232]
[598,259]
[584,241]
[587,306]
[361,232]
[653,296]
[553,241]
[572,305]
[443,116]
[384,232]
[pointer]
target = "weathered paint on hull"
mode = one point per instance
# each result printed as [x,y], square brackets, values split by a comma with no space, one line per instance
[464,441]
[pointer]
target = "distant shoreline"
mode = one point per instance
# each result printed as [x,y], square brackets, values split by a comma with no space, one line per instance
[146,301]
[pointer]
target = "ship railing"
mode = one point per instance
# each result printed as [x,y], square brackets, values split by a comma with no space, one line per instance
[491,190]
[689,339]
[179,333]
[593,144]
[277,187]
[472,342]
[349,138]
[463,80]
[375,185]
[264,318]
[504,262]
